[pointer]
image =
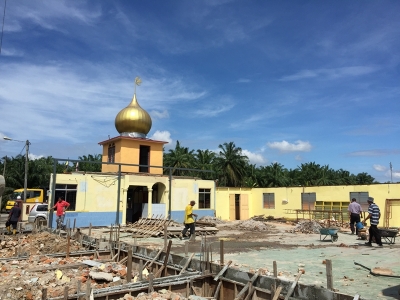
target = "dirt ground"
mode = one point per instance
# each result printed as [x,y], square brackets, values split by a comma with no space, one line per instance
[251,245]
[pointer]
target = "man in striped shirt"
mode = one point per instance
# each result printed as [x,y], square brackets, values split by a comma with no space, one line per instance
[374,214]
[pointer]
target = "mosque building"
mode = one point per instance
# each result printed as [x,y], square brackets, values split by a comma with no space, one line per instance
[132,184]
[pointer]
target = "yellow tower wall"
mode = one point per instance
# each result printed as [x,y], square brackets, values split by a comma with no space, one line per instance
[127,151]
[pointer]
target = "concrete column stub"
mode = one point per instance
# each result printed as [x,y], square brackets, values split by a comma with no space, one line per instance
[149,202]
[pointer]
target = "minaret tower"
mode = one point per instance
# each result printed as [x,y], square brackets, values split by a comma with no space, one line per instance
[132,147]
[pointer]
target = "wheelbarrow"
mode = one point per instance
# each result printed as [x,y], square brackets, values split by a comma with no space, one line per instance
[331,232]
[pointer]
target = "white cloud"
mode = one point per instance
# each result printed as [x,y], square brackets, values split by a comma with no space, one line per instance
[330,73]
[57,101]
[379,168]
[159,114]
[214,111]
[298,157]
[254,158]
[12,52]
[243,80]
[34,156]
[49,14]
[162,136]
[396,174]
[284,146]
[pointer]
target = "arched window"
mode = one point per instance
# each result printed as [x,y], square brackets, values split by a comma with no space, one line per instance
[111,153]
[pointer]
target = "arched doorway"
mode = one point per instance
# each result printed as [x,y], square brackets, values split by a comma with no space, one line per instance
[135,197]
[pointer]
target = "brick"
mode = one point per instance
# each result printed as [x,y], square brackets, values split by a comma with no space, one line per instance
[29,296]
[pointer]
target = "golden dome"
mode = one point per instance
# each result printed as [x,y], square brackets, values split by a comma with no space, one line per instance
[133,120]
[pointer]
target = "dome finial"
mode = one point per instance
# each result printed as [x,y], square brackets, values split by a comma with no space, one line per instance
[133,120]
[138,82]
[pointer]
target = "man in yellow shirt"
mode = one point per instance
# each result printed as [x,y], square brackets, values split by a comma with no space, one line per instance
[189,221]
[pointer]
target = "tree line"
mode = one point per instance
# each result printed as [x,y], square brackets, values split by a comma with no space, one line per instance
[39,171]
[229,166]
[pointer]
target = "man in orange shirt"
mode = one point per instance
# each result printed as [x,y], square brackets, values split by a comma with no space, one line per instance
[60,207]
[189,221]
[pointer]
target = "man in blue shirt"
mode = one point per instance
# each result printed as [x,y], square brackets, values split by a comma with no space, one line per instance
[374,214]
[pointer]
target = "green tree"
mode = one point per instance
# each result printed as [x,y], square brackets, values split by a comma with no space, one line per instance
[204,160]
[231,165]
[364,178]
[180,157]
[90,167]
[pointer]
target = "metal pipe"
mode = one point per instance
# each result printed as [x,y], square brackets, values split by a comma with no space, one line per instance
[169,194]
[53,193]
[26,170]
[118,194]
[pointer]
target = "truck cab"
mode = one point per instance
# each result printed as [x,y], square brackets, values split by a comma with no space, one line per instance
[32,196]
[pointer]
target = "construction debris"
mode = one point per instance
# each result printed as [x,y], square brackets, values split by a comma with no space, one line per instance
[163,294]
[254,225]
[147,227]
[37,266]
[40,243]
[209,219]
[306,226]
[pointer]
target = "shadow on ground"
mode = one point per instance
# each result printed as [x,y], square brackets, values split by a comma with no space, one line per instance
[392,292]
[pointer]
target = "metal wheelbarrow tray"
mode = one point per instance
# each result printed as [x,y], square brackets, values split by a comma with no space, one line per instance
[389,235]
[332,232]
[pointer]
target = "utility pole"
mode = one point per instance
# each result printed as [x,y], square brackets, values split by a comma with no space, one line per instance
[391,169]
[4,167]
[26,169]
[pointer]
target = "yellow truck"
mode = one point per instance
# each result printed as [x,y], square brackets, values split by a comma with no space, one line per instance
[32,196]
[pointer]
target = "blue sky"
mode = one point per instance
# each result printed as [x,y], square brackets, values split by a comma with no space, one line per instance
[287,81]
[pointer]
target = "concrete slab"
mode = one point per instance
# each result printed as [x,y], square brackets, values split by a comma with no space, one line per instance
[252,250]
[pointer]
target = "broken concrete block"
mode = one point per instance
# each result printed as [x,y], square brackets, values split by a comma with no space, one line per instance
[101,276]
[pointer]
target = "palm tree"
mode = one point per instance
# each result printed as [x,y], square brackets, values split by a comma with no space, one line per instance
[250,179]
[90,167]
[204,160]
[231,165]
[364,178]
[326,176]
[180,157]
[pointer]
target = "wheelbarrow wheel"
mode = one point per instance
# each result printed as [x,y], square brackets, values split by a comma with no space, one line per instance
[335,237]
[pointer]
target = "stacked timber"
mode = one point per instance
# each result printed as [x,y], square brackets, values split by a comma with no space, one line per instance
[156,227]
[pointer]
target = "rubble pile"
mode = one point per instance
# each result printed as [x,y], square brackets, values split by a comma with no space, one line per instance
[325,223]
[254,225]
[25,278]
[39,243]
[210,219]
[161,294]
[306,226]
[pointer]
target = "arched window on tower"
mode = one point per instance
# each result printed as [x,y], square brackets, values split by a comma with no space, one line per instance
[111,153]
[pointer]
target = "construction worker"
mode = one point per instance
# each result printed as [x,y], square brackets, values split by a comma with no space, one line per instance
[374,214]
[189,221]
[60,206]
[13,218]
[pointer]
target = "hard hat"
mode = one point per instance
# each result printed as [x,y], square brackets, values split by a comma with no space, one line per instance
[19,198]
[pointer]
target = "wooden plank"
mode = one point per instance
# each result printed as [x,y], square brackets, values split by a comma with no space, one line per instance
[44,293]
[329,277]
[293,286]
[251,292]
[154,259]
[222,271]
[246,287]
[129,265]
[186,264]
[277,293]
[166,257]
[356,297]
[216,294]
